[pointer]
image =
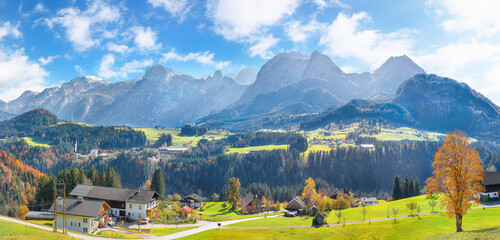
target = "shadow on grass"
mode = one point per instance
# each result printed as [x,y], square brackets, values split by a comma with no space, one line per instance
[493,229]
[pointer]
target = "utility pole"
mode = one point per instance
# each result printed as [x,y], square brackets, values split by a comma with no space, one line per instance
[55,206]
[63,193]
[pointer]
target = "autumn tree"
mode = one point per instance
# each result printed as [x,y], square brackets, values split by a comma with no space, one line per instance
[458,174]
[233,192]
[309,190]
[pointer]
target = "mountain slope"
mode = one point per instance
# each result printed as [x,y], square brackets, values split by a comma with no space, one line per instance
[426,102]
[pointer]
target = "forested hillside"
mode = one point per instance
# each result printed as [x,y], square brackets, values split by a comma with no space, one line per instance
[45,126]
[17,185]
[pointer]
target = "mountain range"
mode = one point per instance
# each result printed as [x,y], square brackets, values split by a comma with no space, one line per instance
[291,90]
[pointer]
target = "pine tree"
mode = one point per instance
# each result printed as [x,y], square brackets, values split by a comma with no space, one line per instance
[102,178]
[158,183]
[93,175]
[406,187]
[417,187]
[113,179]
[396,188]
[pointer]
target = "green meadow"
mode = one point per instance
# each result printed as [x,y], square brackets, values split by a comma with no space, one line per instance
[477,224]
[11,231]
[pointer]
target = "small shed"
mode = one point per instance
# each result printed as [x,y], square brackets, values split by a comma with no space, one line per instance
[313,211]
[319,219]
[185,212]
[34,215]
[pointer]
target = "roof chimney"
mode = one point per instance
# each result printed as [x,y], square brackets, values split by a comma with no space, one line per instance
[80,199]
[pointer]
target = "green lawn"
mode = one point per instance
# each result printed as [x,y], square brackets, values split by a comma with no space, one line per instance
[16,231]
[350,214]
[46,223]
[266,147]
[478,223]
[167,231]
[35,142]
[152,135]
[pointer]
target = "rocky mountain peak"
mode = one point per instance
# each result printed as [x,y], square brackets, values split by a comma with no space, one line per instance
[158,72]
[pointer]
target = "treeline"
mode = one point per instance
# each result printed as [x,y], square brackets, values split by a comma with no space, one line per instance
[356,168]
[188,130]
[17,185]
[71,177]
[405,188]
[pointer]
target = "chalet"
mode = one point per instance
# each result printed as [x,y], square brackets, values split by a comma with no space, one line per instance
[319,219]
[491,182]
[134,203]
[252,204]
[369,201]
[173,150]
[193,200]
[82,215]
[295,205]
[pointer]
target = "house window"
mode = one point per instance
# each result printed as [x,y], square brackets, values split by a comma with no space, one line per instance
[85,220]
[85,229]
[78,224]
[140,207]
[130,206]
[72,224]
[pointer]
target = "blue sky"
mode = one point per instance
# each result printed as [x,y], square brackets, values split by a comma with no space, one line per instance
[47,43]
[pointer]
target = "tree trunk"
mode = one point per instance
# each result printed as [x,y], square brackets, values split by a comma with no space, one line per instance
[459,223]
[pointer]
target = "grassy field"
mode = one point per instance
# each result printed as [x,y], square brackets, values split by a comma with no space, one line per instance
[478,223]
[166,231]
[16,231]
[266,147]
[152,135]
[350,214]
[35,142]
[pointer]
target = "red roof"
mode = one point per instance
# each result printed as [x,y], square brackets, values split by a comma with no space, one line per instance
[185,209]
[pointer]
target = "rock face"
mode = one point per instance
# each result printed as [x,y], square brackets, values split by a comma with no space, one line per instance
[161,97]
[426,102]
[292,83]
[246,76]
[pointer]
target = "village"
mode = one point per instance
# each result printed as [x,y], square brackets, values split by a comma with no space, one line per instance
[96,210]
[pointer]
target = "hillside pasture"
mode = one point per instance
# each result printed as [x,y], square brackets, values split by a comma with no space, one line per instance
[35,142]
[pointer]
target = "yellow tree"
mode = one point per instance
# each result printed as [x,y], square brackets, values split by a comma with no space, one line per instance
[458,174]
[309,190]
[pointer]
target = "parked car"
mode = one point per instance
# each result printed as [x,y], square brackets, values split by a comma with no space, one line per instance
[144,221]
[290,214]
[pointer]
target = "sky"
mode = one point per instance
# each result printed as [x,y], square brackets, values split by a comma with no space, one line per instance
[44,43]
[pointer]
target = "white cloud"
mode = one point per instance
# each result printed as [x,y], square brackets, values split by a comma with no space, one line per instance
[80,70]
[108,61]
[328,3]
[262,46]
[345,38]
[480,16]
[39,7]
[450,59]
[84,29]
[177,8]
[298,32]
[9,29]
[348,69]
[145,38]
[237,19]
[19,74]
[47,60]
[248,22]
[119,48]
[205,58]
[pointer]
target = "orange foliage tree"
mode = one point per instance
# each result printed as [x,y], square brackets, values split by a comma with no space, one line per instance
[458,174]
[309,190]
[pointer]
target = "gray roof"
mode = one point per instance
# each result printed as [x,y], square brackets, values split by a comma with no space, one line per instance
[193,196]
[86,208]
[114,194]
[491,178]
